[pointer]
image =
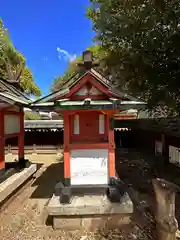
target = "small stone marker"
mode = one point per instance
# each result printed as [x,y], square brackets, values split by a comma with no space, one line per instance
[58,188]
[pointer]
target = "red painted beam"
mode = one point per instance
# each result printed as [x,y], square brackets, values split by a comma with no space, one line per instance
[95,97]
[88,146]
[12,113]
[12,135]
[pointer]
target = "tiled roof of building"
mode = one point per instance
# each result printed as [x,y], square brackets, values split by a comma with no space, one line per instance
[66,87]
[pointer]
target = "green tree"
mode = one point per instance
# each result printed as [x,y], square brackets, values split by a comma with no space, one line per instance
[28,84]
[13,66]
[31,116]
[72,69]
[141,39]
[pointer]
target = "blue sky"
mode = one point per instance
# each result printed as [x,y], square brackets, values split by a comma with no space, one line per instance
[48,33]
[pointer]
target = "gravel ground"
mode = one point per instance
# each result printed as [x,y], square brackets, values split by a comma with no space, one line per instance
[25,217]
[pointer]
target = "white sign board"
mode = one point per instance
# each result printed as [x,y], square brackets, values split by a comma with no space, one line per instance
[89,167]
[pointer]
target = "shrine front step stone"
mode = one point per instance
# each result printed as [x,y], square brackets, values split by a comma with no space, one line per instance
[90,212]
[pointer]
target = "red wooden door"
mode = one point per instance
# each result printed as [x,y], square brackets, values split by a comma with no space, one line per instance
[89,126]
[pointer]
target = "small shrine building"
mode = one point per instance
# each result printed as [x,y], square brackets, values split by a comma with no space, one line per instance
[12,102]
[88,104]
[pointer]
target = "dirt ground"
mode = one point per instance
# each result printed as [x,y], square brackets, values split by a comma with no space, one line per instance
[26,217]
[45,159]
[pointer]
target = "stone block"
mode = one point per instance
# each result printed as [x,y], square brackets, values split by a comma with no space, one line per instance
[58,188]
[113,194]
[70,224]
[117,221]
[89,205]
[89,212]
[93,223]
[65,196]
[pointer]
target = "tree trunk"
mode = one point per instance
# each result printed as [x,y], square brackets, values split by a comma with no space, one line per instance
[166,222]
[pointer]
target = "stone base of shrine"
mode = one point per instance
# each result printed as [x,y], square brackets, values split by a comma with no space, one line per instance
[90,213]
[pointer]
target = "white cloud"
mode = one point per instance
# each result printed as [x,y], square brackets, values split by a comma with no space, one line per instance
[63,54]
[45,58]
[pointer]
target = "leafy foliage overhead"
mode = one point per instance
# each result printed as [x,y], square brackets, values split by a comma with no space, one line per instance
[13,66]
[31,116]
[142,40]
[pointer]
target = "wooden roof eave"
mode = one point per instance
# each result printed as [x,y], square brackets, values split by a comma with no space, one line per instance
[43,124]
[7,87]
[52,96]
[45,106]
[95,105]
[13,102]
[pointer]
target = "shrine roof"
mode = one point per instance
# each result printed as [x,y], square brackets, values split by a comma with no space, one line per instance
[11,94]
[70,83]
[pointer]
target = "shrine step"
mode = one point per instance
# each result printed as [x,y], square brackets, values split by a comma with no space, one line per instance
[90,212]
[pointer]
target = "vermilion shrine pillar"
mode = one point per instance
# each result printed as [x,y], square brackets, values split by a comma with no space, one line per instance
[2,140]
[67,173]
[21,138]
[111,148]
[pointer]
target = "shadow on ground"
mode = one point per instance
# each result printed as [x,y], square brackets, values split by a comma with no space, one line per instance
[137,169]
[47,180]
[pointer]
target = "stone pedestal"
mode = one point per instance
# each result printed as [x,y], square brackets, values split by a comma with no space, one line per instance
[115,190]
[166,222]
[89,207]
[90,212]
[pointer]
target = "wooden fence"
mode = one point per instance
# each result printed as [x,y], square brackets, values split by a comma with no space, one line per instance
[36,149]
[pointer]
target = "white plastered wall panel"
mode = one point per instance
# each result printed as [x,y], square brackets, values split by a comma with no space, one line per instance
[11,124]
[101,124]
[89,166]
[76,124]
